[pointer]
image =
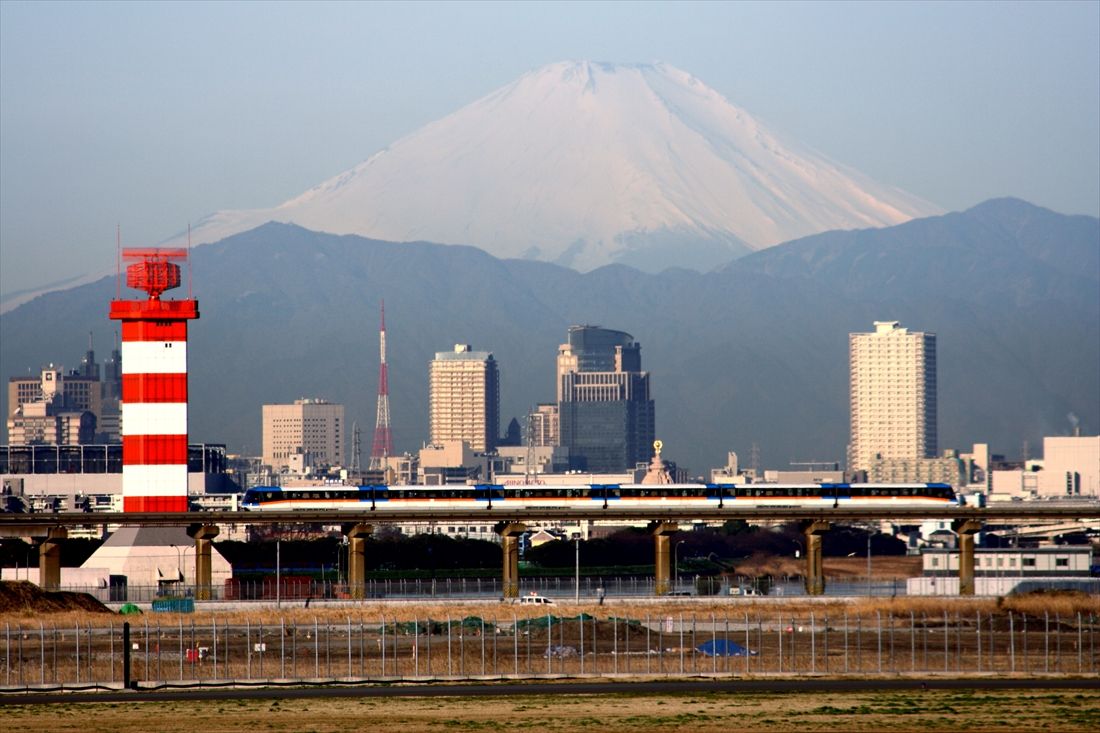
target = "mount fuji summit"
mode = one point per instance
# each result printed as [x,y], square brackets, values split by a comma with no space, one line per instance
[586,164]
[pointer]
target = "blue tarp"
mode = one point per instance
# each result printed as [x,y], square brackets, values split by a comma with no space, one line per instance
[724,648]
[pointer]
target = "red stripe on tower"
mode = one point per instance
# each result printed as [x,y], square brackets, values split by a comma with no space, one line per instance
[154,384]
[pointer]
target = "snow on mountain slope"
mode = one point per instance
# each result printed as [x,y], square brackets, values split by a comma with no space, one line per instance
[586,164]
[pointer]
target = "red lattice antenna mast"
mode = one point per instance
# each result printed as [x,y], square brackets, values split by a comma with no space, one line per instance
[382,447]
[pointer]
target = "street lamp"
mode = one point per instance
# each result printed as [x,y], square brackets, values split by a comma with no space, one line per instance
[179,563]
[676,565]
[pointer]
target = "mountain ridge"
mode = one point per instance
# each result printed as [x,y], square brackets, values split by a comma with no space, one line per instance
[755,352]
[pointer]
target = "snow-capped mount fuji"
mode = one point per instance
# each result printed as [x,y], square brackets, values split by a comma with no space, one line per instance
[587,164]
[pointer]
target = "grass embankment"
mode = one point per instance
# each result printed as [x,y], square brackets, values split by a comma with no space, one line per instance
[1063,604]
[926,711]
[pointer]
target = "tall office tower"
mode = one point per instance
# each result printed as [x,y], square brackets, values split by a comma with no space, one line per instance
[307,433]
[154,383]
[464,398]
[606,417]
[892,378]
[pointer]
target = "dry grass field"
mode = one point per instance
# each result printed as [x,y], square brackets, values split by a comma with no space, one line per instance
[1064,604]
[924,711]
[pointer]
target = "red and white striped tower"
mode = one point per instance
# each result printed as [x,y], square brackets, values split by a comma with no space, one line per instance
[154,383]
[382,447]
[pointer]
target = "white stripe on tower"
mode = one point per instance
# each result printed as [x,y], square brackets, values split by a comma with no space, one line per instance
[154,357]
[151,418]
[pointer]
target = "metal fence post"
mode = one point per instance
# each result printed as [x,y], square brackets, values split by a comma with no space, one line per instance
[978,637]
[813,645]
[859,642]
[648,646]
[878,620]
[946,656]
[1080,664]
[615,643]
[681,644]
[1046,642]
[1057,641]
[779,639]
[1012,644]
[748,656]
[1026,664]
[713,646]
[580,626]
[125,654]
[180,640]
[317,650]
[214,633]
[449,672]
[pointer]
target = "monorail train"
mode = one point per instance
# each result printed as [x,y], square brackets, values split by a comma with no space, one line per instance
[668,496]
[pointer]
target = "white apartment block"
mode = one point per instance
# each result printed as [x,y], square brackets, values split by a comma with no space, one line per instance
[464,399]
[892,379]
[309,432]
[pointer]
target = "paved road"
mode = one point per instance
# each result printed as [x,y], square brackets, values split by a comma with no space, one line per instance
[662,687]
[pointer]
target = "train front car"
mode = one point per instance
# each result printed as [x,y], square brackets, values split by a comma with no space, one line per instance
[254,498]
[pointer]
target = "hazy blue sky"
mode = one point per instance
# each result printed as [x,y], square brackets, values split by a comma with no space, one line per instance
[153,115]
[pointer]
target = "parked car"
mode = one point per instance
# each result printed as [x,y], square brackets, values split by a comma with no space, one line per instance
[535,599]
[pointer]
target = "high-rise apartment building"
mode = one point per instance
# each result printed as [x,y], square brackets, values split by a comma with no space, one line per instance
[310,432]
[542,424]
[892,379]
[606,417]
[464,398]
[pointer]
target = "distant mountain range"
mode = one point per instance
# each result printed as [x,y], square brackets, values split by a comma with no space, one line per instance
[586,164]
[755,351]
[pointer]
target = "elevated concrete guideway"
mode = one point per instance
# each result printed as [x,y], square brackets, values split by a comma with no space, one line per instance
[16,525]
[48,529]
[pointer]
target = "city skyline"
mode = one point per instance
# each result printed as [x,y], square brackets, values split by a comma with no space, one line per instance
[755,353]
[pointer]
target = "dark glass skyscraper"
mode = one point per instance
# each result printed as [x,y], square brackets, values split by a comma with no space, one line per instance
[607,419]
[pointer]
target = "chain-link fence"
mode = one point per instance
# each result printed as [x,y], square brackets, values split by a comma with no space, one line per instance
[151,652]
[301,588]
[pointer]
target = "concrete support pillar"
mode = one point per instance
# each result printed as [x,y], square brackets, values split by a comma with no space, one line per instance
[357,535]
[509,541]
[49,557]
[204,535]
[815,570]
[662,575]
[966,529]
